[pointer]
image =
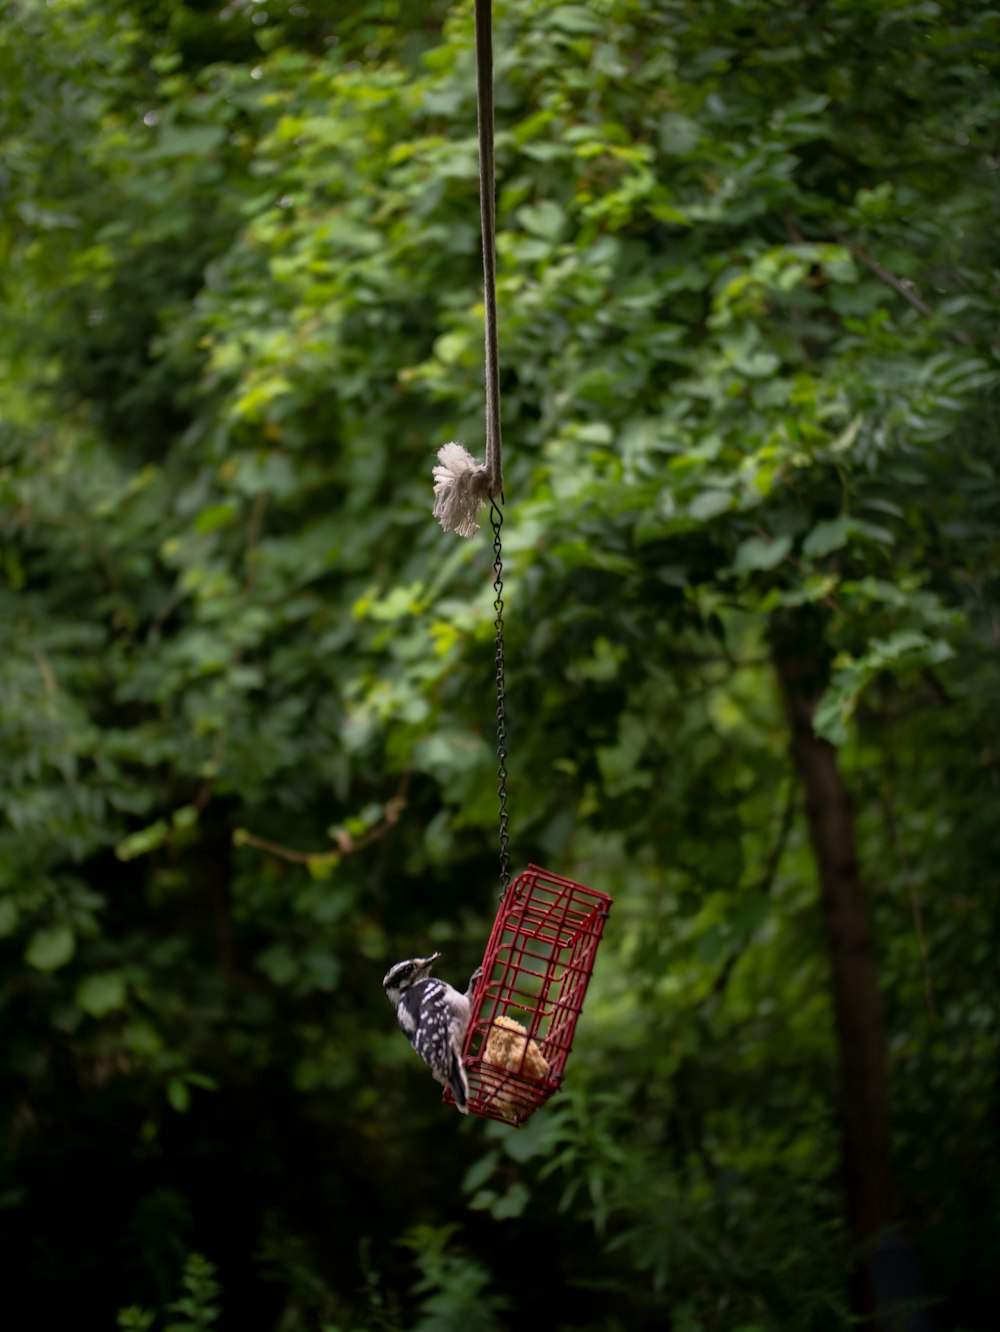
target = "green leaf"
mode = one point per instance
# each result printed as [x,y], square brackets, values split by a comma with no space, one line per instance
[678,134]
[215,517]
[709,504]
[545,219]
[194,140]
[451,348]
[832,714]
[48,950]
[576,20]
[322,866]
[144,1039]
[532,1140]
[760,553]
[512,1204]
[185,817]
[479,1172]
[142,842]
[134,1318]
[847,436]
[827,537]
[482,1200]
[179,1095]
[101,993]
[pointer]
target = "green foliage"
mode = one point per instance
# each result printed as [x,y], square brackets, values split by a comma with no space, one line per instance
[195,1309]
[453,1288]
[748,311]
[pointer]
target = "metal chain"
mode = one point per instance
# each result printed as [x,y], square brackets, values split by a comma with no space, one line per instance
[496,521]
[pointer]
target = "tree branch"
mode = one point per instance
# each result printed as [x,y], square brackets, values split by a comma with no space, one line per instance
[345,843]
[900,285]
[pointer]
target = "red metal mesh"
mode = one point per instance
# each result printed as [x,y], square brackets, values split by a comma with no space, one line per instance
[535,972]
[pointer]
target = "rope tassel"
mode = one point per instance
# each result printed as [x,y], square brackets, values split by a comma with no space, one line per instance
[461,488]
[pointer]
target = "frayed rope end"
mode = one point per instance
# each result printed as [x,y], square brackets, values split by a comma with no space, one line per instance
[461,488]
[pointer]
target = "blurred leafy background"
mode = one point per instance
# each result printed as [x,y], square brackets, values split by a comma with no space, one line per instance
[749,297]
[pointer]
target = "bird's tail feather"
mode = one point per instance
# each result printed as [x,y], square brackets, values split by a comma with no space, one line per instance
[459,1084]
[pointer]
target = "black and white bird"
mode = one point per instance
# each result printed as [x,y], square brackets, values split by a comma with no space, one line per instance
[435,1017]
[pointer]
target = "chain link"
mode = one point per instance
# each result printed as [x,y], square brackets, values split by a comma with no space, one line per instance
[496,521]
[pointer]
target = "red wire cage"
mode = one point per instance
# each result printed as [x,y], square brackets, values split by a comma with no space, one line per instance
[525,1008]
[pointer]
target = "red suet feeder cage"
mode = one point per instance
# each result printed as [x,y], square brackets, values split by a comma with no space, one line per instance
[526,1004]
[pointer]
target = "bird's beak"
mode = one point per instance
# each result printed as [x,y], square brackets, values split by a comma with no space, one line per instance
[428,962]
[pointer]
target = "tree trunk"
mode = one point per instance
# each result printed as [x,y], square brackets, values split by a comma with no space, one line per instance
[799,655]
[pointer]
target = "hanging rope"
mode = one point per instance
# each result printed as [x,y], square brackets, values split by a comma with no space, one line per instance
[487,209]
[462,484]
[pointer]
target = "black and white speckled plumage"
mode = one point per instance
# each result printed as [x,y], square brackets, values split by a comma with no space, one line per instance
[435,1017]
